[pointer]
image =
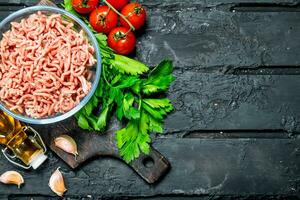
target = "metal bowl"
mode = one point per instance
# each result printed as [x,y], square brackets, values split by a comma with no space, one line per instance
[78,25]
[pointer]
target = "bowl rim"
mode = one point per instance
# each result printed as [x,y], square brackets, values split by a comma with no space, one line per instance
[94,42]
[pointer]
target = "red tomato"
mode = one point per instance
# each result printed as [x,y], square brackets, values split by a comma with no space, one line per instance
[103,19]
[118,4]
[85,6]
[122,40]
[136,15]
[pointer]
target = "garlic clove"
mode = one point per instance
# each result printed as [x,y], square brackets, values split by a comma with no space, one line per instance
[57,183]
[12,177]
[67,144]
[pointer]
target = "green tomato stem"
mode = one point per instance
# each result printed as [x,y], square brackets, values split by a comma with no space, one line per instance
[128,22]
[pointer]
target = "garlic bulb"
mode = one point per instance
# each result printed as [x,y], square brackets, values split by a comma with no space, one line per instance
[57,183]
[67,144]
[12,177]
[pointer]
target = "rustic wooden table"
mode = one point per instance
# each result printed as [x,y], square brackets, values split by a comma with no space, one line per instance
[235,131]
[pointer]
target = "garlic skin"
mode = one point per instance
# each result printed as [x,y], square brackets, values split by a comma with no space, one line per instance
[12,177]
[67,144]
[57,183]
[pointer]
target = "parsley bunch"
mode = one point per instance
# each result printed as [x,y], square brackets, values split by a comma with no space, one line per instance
[132,92]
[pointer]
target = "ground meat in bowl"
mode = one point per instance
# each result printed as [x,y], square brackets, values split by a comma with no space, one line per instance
[44,66]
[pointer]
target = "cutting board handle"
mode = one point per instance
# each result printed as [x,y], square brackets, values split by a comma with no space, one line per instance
[151,167]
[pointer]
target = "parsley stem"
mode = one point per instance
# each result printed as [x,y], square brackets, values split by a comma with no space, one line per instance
[125,18]
[140,102]
[104,76]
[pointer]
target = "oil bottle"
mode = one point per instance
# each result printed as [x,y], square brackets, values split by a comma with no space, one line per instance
[21,141]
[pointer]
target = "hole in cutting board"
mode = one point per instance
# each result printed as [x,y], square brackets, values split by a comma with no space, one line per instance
[148,162]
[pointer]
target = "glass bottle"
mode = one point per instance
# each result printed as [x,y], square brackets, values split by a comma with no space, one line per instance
[22,141]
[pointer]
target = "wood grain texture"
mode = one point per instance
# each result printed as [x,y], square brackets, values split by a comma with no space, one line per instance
[254,114]
[226,167]
[93,144]
[206,101]
[228,39]
[157,3]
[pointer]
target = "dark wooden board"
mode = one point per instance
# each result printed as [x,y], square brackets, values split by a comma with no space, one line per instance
[240,127]
[93,144]
[226,167]
[175,3]
[232,40]
[228,39]
[205,101]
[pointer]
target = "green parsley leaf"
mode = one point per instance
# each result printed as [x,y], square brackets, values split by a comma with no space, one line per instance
[126,141]
[83,123]
[136,88]
[127,108]
[143,138]
[132,113]
[127,82]
[101,38]
[94,100]
[160,103]
[100,88]
[92,122]
[68,5]
[119,112]
[121,87]
[89,108]
[155,126]
[102,119]
[116,95]
[128,66]
[155,113]
[162,69]
[134,138]
[159,78]
[127,102]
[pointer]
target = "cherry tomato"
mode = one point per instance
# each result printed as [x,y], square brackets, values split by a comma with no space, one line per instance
[103,19]
[85,6]
[118,4]
[122,40]
[136,15]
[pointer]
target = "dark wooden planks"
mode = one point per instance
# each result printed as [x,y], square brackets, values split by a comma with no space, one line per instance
[26,2]
[207,35]
[6,10]
[200,167]
[225,102]
[158,197]
[214,38]
[204,3]
[201,37]
[214,3]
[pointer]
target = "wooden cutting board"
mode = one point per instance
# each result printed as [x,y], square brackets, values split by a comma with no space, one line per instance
[91,144]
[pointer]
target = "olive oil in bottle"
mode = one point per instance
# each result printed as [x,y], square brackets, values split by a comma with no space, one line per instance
[24,146]
[7,126]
